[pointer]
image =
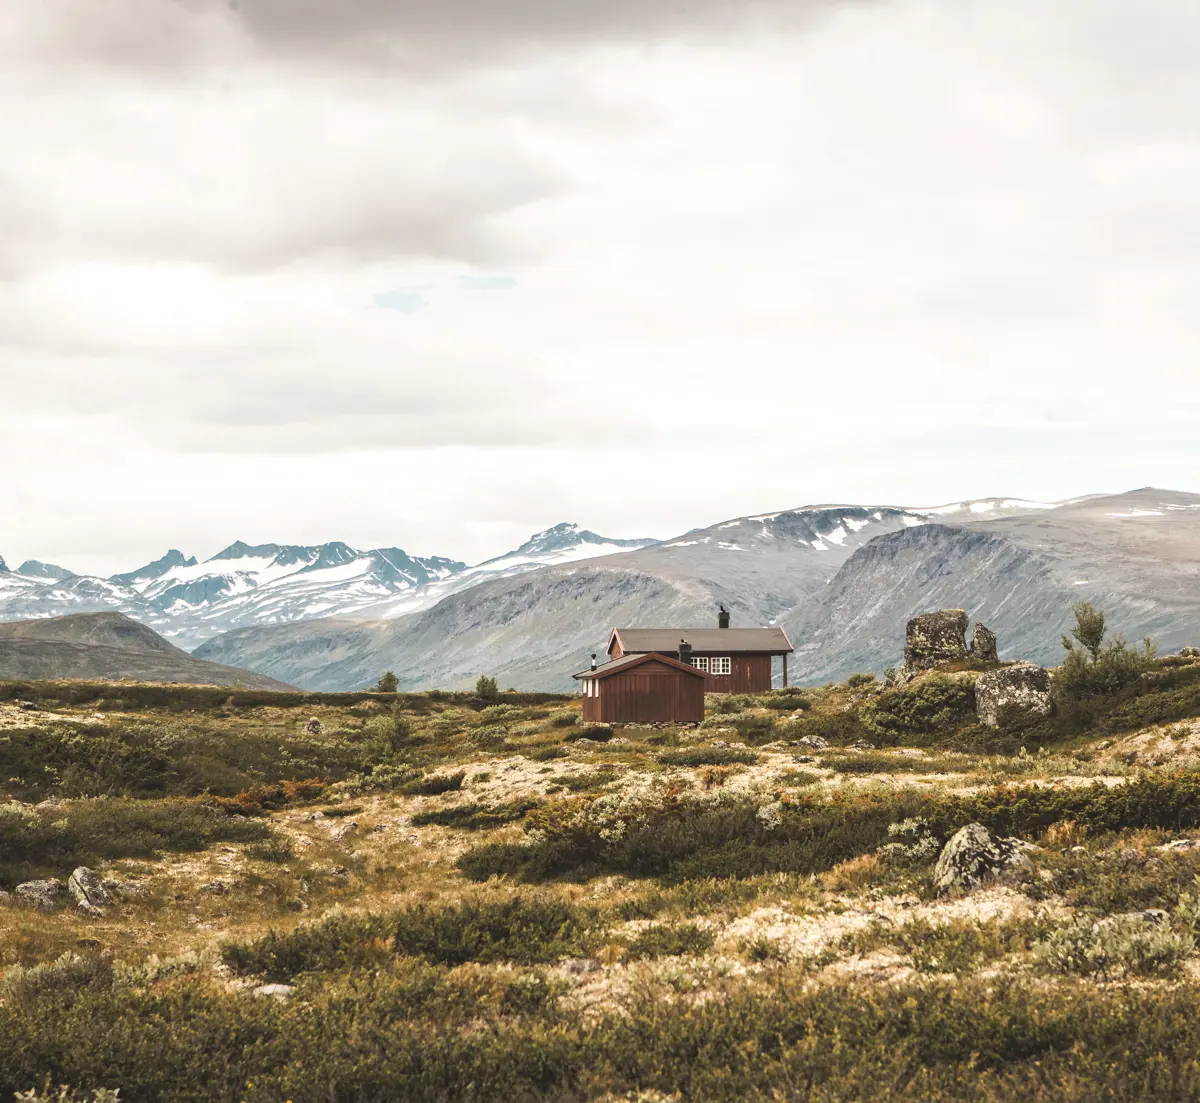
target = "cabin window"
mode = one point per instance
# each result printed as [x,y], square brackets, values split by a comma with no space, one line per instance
[700,662]
[719,664]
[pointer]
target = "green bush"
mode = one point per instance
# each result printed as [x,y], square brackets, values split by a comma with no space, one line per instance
[475,817]
[427,1035]
[1117,946]
[679,838]
[435,784]
[486,688]
[47,842]
[784,703]
[930,706]
[709,756]
[388,682]
[597,733]
[564,720]
[670,940]
[857,681]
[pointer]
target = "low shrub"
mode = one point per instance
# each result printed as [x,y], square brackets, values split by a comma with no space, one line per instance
[435,784]
[931,706]
[670,940]
[597,733]
[476,817]
[680,837]
[46,841]
[1118,946]
[709,756]
[275,849]
[857,681]
[564,720]
[783,703]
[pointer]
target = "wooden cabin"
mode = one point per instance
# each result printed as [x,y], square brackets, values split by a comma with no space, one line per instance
[733,660]
[643,689]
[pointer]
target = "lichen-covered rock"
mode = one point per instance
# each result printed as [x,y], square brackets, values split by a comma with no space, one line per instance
[43,895]
[1020,688]
[87,886]
[1189,652]
[983,644]
[935,638]
[974,855]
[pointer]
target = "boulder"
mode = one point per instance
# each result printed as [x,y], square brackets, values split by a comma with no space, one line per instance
[43,895]
[274,991]
[935,638]
[1189,652]
[983,644]
[87,886]
[974,855]
[5,898]
[313,727]
[1021,688]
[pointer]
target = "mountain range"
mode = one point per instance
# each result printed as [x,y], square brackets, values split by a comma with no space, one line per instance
[189,601]
[841,579]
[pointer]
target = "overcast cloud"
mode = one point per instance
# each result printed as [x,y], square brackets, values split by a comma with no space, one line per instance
[438,275]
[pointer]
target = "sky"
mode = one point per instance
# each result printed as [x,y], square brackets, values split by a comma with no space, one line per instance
[438,276]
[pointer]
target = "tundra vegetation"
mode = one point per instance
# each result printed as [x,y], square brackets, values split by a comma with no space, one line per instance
[474,896]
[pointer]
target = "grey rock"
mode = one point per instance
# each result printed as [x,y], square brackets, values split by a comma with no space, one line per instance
[983,644]
[1181,844]
[6,898]
[87,886]
[935,638]
[44,895]
[813,743]
[1020,688]
[344,831]
[217,888]
[974,855]
[1189,652]
[274,991]
[313,727]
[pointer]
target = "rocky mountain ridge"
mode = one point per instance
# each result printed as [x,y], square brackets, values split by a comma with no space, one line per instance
[190,601]
[842,581]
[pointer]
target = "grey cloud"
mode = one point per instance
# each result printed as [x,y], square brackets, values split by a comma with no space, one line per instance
[411,35]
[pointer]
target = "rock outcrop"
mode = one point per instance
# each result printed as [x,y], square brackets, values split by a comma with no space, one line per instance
[43,895]
[935,638]
[1023,688]
[88,888]
[974,855]
[983,644]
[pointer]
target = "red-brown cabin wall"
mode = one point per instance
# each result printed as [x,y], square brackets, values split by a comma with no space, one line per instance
[650,693]
[747,674]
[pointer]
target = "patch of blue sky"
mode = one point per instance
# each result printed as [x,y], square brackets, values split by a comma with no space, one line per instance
[404,300]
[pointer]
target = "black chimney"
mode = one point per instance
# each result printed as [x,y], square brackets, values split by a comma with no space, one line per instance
[723,617]
[685,652]
[593,660]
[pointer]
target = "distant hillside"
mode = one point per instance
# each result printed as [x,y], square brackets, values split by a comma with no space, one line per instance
[1135,555]
[108,647]
[841,579]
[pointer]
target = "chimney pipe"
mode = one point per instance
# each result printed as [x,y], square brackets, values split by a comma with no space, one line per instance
[685,652]
[593,660]
[722,617]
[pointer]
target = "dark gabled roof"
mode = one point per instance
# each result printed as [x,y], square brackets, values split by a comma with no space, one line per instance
[729,641]
[626,661]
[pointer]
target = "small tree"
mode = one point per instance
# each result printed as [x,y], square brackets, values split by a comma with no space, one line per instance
[1089,628]
[1100,666]
[486,688]
[388,682]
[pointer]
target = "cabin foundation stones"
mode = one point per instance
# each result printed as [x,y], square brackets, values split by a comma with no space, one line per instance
[1023,688]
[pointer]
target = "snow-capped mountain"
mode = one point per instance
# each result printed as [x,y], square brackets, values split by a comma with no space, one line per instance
[190,601]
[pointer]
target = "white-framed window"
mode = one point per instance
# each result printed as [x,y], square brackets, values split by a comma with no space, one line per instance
[719,664]
[700,662]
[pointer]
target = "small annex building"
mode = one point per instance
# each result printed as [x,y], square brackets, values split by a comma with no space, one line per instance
[733,660]
[643,689]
